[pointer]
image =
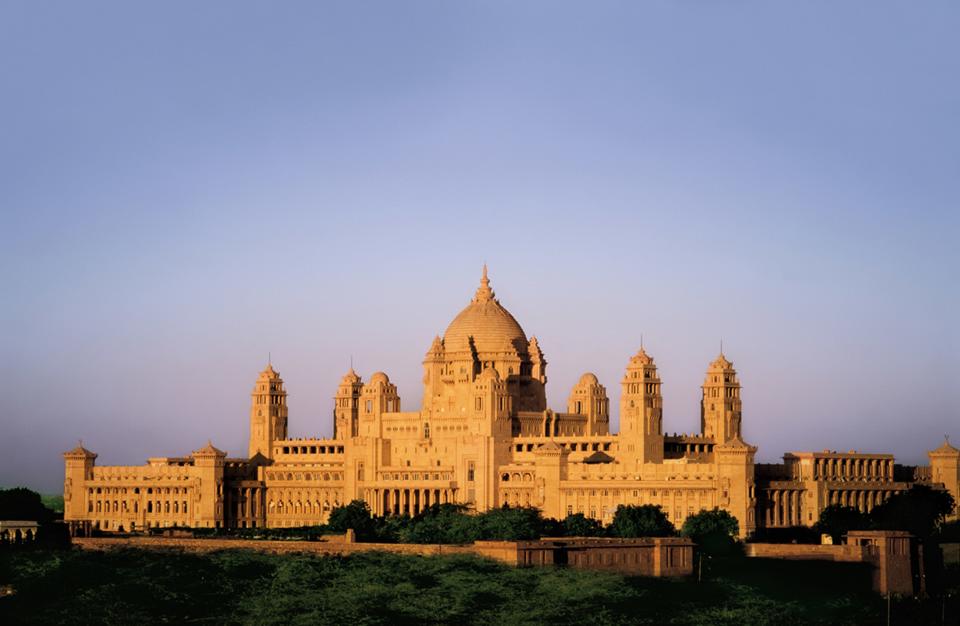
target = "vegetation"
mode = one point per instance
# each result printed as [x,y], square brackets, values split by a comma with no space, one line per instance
[641,521]
[837,520]
[23,504]
[921,511]
[245,587]
[714,531]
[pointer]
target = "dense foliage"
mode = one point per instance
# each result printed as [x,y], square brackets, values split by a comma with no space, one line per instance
[23,504]
[714,531]
[837,520]
[920,510]
[244,587]
[644,520]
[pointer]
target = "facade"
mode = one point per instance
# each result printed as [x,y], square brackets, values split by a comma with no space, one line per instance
[484,437]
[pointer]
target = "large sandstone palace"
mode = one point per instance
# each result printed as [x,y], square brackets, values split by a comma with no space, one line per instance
[484,437]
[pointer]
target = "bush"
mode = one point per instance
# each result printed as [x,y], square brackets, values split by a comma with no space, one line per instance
[645,520]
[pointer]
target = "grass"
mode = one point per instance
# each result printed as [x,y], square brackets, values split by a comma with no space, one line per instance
[245,587]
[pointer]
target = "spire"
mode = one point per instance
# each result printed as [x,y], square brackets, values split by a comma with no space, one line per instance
[484,292]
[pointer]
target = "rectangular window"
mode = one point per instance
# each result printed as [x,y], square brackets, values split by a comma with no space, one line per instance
[471,470]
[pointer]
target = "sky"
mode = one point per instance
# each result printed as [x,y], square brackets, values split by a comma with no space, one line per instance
[187,188]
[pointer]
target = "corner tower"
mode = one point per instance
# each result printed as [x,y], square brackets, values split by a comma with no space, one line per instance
[641,408]
[268,413]
[721,408]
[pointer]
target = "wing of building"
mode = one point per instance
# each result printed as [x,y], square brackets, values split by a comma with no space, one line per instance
[484,437]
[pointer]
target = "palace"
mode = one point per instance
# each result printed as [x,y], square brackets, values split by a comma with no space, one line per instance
[484,437]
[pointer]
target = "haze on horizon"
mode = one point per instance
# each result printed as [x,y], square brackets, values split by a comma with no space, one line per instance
[186,187]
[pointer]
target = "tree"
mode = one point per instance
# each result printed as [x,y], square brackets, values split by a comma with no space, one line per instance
[920,511]
[579,525]
[511,524]
[355,515]
[23,504]
[714,531]
[837,520]
[645,520]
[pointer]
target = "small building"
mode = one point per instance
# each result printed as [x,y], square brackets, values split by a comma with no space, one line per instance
[18,532]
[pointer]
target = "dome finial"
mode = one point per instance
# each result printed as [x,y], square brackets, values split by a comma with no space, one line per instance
[484,292]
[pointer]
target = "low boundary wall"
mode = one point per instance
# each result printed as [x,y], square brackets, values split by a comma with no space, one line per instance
[668,556]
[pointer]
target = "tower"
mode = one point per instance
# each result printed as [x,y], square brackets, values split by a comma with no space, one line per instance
[346,411]
[945,469]
[589,398]
[641,408]
[209,463]
[377,397]
[721,408]
[79,464]
[268,413]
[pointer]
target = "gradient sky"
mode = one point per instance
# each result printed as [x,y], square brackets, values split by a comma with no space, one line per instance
[188,186]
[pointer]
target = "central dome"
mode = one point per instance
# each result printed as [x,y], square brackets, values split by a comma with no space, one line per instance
[490,325]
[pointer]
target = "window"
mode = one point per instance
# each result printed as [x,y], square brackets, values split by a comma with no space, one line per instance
[471,470]
[369,406]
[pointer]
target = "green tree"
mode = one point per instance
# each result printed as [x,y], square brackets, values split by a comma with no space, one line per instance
[20,503]
[511,524]
[920,510]
[714,531]
[579,525]
[355,515]
[837,520]
[646,520]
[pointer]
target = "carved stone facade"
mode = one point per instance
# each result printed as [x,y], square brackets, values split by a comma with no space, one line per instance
[485,437]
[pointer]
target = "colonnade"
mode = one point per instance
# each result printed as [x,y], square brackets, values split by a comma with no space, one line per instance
[863,469]
[406,501]
[246,506]
[784,508]
[861,499]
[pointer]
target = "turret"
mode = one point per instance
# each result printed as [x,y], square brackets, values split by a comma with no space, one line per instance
[78,464]
[377,397]
[641,408]
[721,408]
[268,413]
[209,462]
[491,403]
[945,469]
[346,411]
[589,398]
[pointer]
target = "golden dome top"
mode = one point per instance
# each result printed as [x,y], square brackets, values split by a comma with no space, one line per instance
[379,377]
[588,379]
[491,326]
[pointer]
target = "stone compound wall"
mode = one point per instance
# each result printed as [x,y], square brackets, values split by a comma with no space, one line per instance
[646,557]
[797,551]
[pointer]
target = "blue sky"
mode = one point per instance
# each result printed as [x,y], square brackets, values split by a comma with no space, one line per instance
[186,188]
